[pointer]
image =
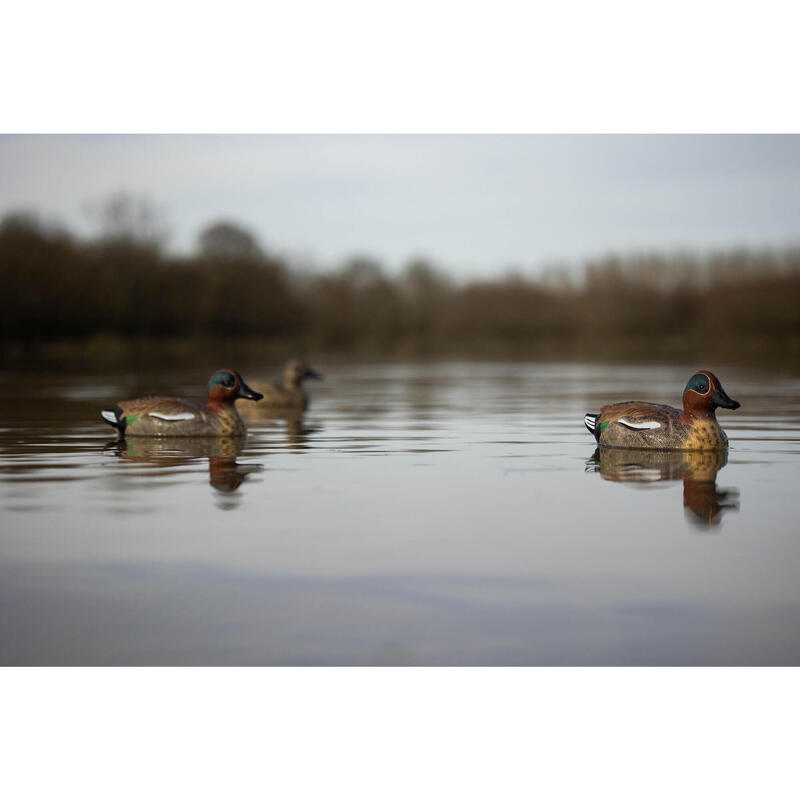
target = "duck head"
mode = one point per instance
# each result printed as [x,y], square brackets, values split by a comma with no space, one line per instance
[227,385]
[296,371]
[704,394]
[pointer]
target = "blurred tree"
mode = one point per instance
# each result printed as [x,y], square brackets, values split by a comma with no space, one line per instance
[126,218]
[428,304]
[241,289]
[421,278]
[362,272]
[21,222]
[225,241]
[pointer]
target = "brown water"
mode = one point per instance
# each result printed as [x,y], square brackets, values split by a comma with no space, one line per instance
[421,514]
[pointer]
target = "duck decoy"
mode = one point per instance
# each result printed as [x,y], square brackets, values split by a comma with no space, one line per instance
[639,425]
[172,416]
[290,394]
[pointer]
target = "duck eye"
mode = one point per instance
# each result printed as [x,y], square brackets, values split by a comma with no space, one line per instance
[699,383]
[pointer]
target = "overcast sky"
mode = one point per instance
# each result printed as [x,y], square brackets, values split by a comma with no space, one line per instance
[473,204]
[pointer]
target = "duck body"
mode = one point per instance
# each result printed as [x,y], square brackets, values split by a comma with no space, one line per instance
[639,425]
[290,394]
[172,416]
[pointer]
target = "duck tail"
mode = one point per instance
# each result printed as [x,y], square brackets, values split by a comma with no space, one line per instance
[115,418]
[590,421]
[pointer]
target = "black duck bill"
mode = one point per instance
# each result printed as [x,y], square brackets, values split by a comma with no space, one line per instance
[246,393]
[720,398]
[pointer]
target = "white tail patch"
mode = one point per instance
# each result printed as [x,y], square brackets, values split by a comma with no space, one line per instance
[171,417]
[590,421]
[110,417]
[640,426]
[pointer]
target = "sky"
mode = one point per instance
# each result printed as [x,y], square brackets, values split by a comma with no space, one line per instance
[474,205]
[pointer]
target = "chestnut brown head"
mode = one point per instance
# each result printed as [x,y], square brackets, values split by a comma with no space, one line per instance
[704,393]
[226,385]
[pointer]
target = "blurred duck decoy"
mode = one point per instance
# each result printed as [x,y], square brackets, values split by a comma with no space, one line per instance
[290,394]
[638,425]
[171,416]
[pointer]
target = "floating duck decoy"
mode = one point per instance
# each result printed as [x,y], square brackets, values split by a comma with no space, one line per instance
[290,394]
[638,425]
[171,416]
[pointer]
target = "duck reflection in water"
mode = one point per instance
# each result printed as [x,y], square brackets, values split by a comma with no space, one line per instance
[703,501]
[297,429]
[224,473]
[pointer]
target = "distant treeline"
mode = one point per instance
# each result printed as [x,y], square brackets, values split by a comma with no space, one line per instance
[123,286]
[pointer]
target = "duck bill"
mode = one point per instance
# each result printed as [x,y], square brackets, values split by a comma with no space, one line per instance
[246,393]
[721,399]
[310,373]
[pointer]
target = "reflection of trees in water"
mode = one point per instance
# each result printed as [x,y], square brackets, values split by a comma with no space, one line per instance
[225,474]
[703,501]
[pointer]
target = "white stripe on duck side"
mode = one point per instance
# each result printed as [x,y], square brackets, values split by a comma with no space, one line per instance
[640,426]
[171,417]
[641,474]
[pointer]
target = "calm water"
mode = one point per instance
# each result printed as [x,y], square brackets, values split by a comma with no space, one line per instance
[423,514]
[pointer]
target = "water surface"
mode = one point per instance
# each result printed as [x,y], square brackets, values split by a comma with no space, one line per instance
[447,514]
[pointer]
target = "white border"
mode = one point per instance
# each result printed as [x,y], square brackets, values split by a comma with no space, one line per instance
[432,66]
[400,733]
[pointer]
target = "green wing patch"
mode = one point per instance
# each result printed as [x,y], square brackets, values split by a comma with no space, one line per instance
[603,426]
[131,418]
